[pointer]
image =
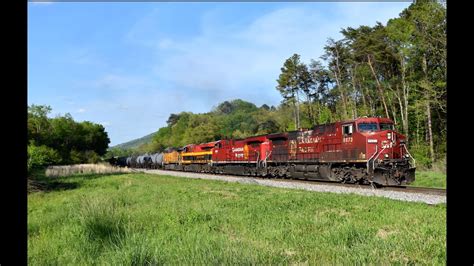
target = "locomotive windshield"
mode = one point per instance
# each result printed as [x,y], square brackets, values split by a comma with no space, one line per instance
[366,127]
[386,126]
[373,126]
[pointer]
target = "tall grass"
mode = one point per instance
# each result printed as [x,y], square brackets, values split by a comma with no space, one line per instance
[139,219]
[102,221]
[67,170]
[430,179]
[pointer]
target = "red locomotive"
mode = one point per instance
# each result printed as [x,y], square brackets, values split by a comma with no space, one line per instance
[363,150]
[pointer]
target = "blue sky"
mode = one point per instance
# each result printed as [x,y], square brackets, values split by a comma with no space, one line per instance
[129,65]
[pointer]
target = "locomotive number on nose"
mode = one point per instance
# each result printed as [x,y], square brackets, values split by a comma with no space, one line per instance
[347,139]
[386,144]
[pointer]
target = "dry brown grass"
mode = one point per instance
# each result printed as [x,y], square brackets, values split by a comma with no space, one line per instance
[67,170]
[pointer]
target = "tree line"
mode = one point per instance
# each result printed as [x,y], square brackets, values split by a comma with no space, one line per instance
[61,140]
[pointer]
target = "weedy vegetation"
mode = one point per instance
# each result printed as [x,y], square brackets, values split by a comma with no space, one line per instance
[428,178]
[67,170]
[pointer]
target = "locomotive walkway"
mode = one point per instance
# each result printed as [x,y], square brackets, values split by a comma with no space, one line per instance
[429,196]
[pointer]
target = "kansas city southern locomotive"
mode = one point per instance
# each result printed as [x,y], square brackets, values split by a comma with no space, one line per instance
[365,150]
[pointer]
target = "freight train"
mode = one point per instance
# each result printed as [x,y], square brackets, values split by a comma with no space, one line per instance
[365,150]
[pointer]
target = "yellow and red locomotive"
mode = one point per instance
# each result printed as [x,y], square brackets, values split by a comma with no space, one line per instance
[363,150]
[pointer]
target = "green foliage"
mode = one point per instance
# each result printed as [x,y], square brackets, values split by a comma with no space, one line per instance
[117,152]
[421,154]
[133,144]
[77,157]
[38,123]
[325,115]
[41,156]
[73,142]
[140,219]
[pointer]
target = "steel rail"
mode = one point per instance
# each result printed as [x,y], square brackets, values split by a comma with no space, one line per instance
[403,188]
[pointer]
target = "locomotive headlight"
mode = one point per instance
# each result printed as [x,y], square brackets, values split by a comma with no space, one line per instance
[386,156]
[389,135]
[371,141]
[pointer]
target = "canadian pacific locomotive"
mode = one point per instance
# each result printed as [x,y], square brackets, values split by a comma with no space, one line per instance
[365,150]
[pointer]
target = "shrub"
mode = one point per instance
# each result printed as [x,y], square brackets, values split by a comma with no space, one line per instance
[41,156]
[422,156]
[78,157]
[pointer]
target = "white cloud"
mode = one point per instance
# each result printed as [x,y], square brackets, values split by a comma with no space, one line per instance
[145,27]
[120,82]
[105,123]
[165,43]
[123,107]
[80,55]
[88,59]
[81,110]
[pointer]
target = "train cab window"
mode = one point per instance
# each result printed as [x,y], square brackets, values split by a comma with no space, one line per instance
[386,126]
[367,127]
[330,129]
[254,144]
[347,129]
[278,141]
[320,130]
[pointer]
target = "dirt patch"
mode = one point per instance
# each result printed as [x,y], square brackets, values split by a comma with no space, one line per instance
[289,252]
[225,194]
[37,186]
[328,212]
[384,233]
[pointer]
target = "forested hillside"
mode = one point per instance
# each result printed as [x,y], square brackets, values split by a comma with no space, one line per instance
[135,143]
[397,70]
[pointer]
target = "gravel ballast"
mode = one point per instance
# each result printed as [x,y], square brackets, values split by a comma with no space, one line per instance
[396,195]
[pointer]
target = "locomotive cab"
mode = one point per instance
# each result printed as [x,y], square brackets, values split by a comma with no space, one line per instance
[386,152]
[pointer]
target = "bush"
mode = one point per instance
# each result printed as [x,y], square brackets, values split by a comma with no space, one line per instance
[75,157]
[78,157]
[41,156]
[91,157]
[440,165]
[422,156]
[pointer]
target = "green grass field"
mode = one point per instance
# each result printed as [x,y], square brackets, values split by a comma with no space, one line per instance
[430,179]
[149,219]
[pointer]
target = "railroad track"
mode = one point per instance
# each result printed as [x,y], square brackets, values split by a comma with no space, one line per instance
[407,189]
[422,190]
